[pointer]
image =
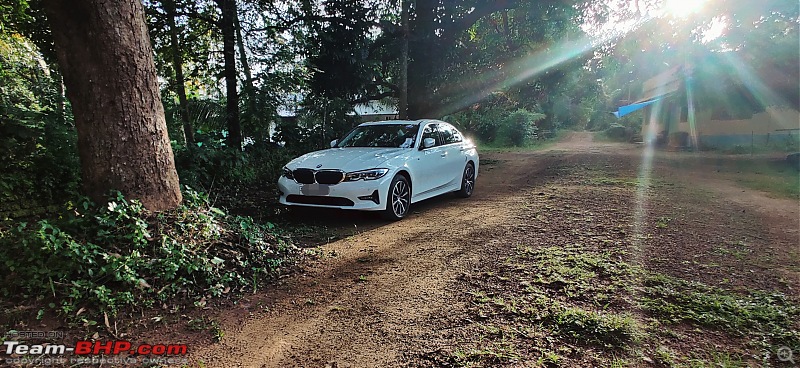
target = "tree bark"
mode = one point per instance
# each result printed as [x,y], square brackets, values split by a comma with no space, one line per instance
[104,52]
[180,82]
[249,88]
[402,107]
[422,52]
[228,8]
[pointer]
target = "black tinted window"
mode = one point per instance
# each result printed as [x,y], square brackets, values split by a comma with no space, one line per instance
[394,135]
[432,131]
[450,134]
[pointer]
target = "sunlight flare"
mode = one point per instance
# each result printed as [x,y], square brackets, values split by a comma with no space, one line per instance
[683,8]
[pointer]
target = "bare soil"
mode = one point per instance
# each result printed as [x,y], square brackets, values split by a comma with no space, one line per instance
[403,293]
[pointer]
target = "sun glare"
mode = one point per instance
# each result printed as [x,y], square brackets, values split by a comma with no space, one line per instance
[682,8]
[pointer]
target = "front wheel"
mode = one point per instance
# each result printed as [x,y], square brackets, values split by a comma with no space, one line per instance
[467,181]
[398,200]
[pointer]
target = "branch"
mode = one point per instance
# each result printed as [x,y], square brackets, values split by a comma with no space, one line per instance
[195,15]
[468,20]
[386,84]
[377,97]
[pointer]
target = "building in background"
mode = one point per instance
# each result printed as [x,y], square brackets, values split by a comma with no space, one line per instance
[720,102]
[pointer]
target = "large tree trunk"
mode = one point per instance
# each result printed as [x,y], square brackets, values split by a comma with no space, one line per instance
[177,64]
[422,53]
[105,55]
[402,106]
[228,8]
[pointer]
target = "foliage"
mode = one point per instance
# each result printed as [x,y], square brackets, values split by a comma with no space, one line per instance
[37,140]
[104,258]
[209,165]
[519,128]
[498,121]
[768,317]
[483,120]
[618,133]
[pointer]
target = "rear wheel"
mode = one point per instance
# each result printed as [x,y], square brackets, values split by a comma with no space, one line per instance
[467,181]
[398,200]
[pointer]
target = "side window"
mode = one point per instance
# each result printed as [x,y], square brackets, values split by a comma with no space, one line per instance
[447,134]
[451,134]
[432,131]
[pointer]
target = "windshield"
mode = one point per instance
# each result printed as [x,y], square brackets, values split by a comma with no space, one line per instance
[384,135]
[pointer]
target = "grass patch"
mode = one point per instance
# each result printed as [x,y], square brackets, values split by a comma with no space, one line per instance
[606,329]
[775,178]
[767,319]
[536,145]
[578,298]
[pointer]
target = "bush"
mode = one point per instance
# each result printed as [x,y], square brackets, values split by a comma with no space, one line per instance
[211,165]
[519,128]
[618,133]
[107,257]
[483,120]
[37,138]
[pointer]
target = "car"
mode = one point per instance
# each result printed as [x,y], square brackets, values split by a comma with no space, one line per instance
[383,166]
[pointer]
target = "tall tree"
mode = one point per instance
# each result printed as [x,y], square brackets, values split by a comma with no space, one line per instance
[402,105]
[249,87]
[227,25]
[177,66]
[105,55]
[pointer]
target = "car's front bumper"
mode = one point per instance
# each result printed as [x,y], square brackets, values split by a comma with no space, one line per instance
[365,195]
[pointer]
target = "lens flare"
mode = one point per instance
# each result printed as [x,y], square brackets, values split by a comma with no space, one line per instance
[683,8]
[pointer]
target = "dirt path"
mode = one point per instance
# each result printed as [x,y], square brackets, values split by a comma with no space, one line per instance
[385,296]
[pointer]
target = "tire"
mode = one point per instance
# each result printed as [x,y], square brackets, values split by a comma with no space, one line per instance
[467,181]
[398,200]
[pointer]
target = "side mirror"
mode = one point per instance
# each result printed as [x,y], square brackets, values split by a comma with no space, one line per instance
[333,143]
[428,143]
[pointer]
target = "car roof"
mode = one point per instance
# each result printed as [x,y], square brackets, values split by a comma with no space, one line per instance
[398,122]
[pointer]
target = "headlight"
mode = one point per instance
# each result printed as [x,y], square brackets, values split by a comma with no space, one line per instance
[370,174]
[287,173]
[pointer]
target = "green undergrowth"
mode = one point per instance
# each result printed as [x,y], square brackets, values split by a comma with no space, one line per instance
[576,303]
[97,260]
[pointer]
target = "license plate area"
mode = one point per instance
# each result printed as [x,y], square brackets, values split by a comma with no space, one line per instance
[315,189]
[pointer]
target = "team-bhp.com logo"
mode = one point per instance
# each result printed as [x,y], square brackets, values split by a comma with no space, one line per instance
[114,352]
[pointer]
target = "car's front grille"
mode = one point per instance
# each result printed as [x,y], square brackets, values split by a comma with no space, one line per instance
[329,176]
[320,200]
[304,176]
[309,176]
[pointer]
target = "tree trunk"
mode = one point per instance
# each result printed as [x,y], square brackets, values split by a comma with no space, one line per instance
[104,53]
[430,37]
[177,64]
[422,53]
[228,8]
[402,107]
[249,88]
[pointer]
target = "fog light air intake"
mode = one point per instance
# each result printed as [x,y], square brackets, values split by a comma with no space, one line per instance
[375,197]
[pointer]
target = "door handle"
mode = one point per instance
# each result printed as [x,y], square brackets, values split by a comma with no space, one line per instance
[444,154]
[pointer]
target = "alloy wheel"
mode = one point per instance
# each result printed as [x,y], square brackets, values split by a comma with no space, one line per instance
[400,198]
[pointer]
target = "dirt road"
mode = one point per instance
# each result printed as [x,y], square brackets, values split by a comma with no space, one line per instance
[394,294]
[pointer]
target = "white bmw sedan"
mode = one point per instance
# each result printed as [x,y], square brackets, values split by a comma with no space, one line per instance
[383,166]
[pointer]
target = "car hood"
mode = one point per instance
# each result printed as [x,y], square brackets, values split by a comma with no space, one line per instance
[347,159]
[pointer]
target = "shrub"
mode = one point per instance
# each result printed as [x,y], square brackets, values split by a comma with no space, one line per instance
[107,257]
[211,165]
[519,128]
[618,133]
